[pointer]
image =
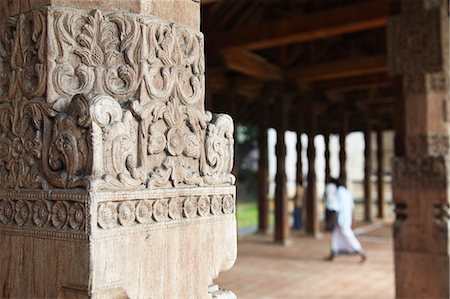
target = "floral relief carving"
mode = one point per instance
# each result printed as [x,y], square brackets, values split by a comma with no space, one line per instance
[140,211]
[204,205]
[144,211]
[40,213]
[59,214]
[103,102]
[43,213]
[126,213]
[6,211]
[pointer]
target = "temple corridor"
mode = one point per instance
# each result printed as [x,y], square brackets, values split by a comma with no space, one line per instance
[298,270]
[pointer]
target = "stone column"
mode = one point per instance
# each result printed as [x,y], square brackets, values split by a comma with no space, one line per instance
[342,150]
[111,181]
[418,51]
[281,203]
[312,222]
[367,172]
[380,174]
[263,202]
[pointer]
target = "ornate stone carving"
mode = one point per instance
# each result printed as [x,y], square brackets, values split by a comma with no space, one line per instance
[121,108]
[134,212]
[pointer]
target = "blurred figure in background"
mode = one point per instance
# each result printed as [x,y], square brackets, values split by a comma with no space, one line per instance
[343,239]
[331,204]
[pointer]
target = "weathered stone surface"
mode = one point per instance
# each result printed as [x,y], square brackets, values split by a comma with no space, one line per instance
[114,180]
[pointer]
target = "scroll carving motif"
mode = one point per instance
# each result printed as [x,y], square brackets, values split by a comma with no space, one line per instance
[120,108]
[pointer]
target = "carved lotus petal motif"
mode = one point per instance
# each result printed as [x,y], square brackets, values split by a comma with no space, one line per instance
[41,213]
[77,216]
[22,212]
[216,205]
[144,211]
[59,214]
[175,208]
[6,211]
[228,204]
[126,213]
[107,215]
[204,205]
[190,207]
[160,210]
[175,141]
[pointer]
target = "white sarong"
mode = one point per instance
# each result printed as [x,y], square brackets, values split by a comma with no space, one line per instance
[343,239]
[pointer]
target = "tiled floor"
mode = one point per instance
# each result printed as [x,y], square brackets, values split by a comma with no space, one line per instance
[298,270]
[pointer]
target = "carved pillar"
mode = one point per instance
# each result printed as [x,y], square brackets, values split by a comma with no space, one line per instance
[281,203]
[327,156]
[263,202]
[418,51]
[342,150]
[312,222]
[380,174]
[111,181]
[367,172]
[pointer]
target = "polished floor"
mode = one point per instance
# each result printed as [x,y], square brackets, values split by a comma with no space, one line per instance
[298,270]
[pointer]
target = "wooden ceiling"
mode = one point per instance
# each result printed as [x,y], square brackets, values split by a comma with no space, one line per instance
[332,53]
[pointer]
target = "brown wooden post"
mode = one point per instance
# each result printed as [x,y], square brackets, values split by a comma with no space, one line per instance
[281,208]
[418,50]
[327,157]
[312,223]
[342,150]
[299,177]
[263,203]
[380,174]
[367,172]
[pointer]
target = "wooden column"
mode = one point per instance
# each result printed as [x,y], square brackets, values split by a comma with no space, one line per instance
[418,51]
[380,174]
[263,203]
[281,211]
[367,173]
[312,223]
[342,150]
[327,157]
[299,177]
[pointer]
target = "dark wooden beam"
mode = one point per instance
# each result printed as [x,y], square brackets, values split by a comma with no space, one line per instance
[252,65]
[351,67]
[354,83]
[338,21]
